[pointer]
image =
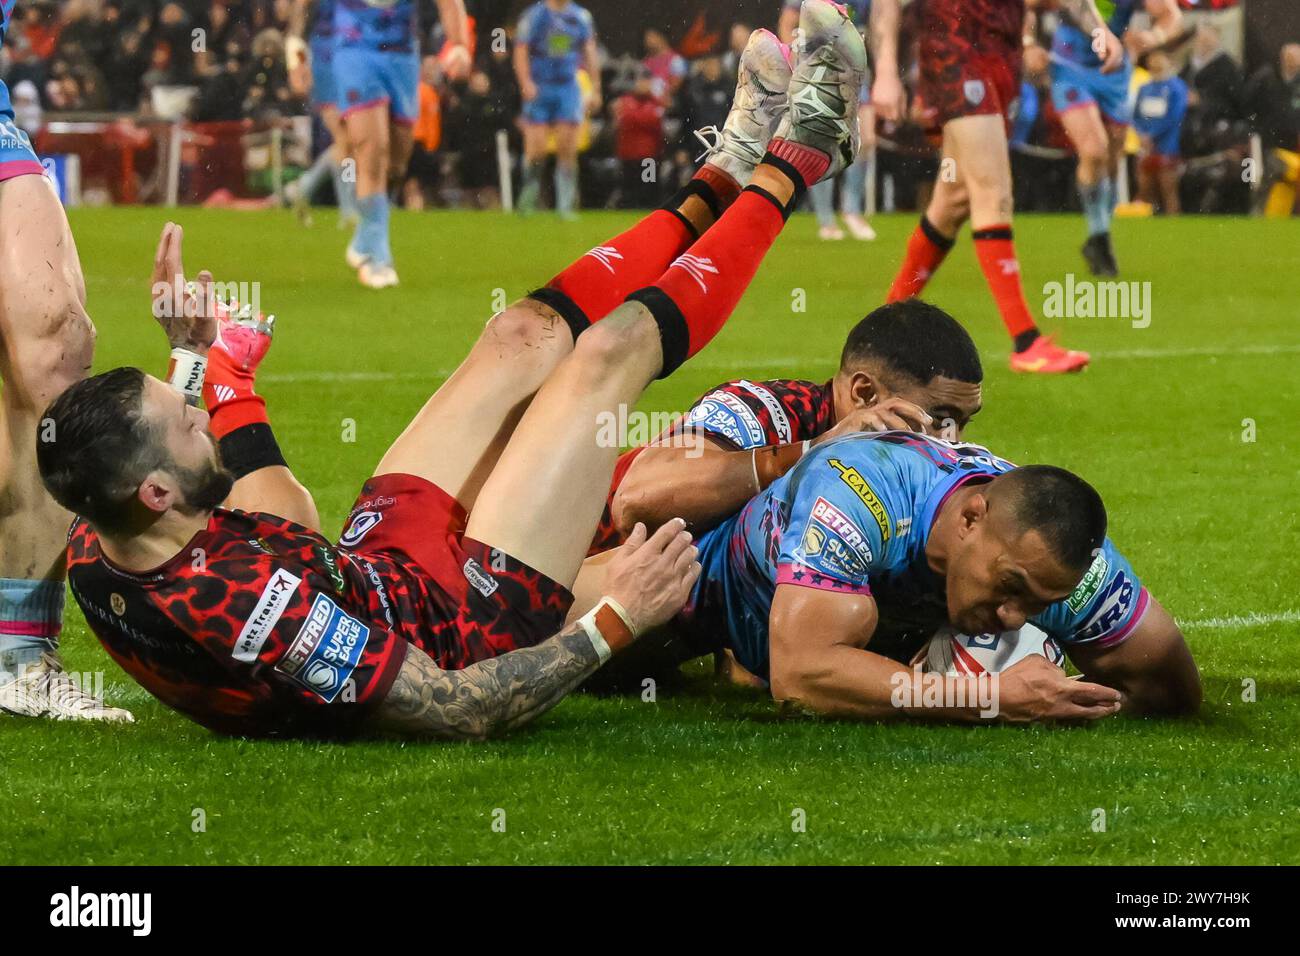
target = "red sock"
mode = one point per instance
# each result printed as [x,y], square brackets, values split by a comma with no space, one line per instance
[997,255]
[228,393]
[699,291]
[601,280]
[926,250]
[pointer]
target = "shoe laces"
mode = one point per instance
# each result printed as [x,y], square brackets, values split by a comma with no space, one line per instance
[710,138]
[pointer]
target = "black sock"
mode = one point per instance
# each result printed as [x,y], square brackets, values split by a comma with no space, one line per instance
[1026,339]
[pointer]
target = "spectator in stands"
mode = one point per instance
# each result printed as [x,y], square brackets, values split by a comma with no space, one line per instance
[1213,80]
[424,169]
[706,96]
[1273,108]
[1158,119]
[127,61]
[473,120]
[665,64]
[28,114]
[736,41]
[221,96]
[639,118]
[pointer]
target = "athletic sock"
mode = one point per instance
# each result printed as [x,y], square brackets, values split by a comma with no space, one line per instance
[853,187]
[311,179]
[1110,197]
[926,251]
[229,396]
[601,280]
[1095,210]
[697,293]
[372,231]
[345,192]
[997,254]
[31,617]
[566,189]
[532,185]
[823,203]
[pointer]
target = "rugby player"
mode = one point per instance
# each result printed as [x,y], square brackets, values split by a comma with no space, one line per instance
[830,580]
[324,99]
[969,80]
[553,38]
[377,78]
[46,343]
[433,615]
[1094,105]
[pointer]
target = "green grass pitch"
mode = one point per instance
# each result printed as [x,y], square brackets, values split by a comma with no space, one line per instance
[710,775]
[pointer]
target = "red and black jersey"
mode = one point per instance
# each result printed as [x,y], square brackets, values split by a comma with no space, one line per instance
[259,626]
[736,416]
[984,25]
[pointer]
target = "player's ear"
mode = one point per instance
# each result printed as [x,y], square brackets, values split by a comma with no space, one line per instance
[974,511]
[156,492]
[864,389]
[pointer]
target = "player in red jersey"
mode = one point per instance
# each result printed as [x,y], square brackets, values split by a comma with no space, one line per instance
[970,78]
[908,365]
[433,614]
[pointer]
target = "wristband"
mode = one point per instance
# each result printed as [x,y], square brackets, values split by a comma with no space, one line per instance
[185,373]
[608,628]
[773,461]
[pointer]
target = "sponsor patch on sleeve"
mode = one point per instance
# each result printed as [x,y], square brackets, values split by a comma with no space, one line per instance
[728,416]
[277,594]
[832,544]
[326,651]
[854,479]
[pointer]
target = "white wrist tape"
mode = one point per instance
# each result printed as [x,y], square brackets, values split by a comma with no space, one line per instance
[598,641]
[186,374]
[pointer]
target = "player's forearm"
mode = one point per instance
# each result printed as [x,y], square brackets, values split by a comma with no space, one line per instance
[592,57]
[1084,14]
[489,698]
[523,69]
[1166,21]
[856,684]
[274,490]
[455,21]
[884,34]
[702,484]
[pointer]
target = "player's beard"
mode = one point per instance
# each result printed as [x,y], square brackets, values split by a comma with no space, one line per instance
[205,487]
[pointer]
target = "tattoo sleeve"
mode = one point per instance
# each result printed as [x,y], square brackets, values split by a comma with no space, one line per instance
[489,698]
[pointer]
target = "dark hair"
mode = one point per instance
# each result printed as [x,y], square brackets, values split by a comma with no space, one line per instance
[1059,505]
[94,448]
[916,339]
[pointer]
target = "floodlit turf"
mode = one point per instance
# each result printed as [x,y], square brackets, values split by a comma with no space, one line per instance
[709,775]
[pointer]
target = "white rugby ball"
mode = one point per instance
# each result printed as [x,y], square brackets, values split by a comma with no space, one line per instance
[952,653]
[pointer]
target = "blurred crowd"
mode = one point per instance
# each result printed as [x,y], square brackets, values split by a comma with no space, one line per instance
[98,56]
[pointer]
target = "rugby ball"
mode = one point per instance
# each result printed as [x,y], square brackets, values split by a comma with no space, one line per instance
[952,653]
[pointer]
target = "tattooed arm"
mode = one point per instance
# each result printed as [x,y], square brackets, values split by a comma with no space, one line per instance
[489,698]
[650,577]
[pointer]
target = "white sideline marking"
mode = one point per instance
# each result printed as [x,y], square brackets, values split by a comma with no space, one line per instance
[1254,619]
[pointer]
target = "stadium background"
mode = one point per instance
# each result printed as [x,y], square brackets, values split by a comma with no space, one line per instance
[1184,425]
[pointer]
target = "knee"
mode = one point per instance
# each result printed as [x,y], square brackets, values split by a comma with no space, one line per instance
[607,345]
[524,326]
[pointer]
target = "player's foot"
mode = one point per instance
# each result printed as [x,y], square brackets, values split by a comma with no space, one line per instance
[44,690]
[859,228]
[373,275]
[830,233]
[355,258]
[243,334]
[823,107]
[759,102]
[299,204]
[1099,255]
[1047,358]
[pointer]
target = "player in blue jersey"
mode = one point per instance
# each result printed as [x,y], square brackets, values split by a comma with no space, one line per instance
[377,76]
[1094,106]
[853,184]
[553,40]
[836,572]
[324,99]
[46,344]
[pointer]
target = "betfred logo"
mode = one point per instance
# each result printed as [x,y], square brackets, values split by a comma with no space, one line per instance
[835,521]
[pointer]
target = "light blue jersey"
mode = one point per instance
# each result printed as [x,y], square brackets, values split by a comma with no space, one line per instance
[854,517]
[1071,44]
[555,39]
[16,155]
[379,26]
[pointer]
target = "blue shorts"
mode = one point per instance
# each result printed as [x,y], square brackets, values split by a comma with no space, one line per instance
[324,92]
[555,103]
[364,78]
[16,155]
[1074,86]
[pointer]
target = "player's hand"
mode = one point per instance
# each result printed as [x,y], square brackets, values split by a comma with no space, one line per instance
[455,61]
[528,91]
[652,576]
[1036,59]
[1036,690]
[187,312]
[594,102]
[892,414]
[888,96]
[1108,49]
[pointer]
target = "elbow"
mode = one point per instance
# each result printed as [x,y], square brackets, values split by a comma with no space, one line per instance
[632,503]
[794,680]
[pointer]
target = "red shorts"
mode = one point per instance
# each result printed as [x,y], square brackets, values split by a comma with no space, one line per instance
[477,602]
[959,79]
